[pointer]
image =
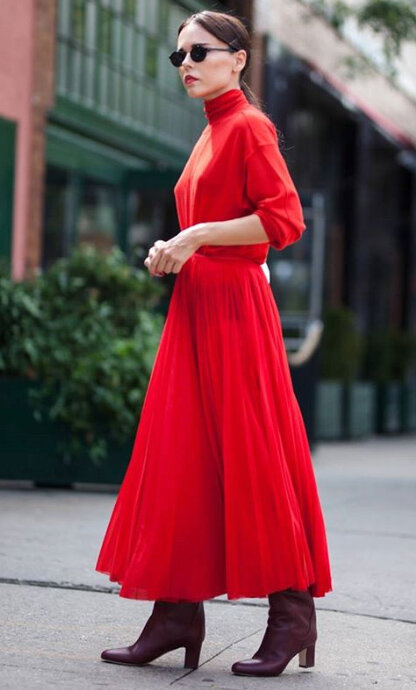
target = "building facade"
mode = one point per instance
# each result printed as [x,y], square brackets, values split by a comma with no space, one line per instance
[95,125]
[95,128]
[350,141]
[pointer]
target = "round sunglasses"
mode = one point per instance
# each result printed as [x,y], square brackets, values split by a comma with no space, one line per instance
[198,53]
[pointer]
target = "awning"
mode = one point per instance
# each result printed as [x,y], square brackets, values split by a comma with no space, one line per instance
[354,101]
[311,38]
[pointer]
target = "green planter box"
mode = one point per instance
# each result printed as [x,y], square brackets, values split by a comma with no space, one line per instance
[389,407]
[408,406]
[328,411]
[360,399]
[396,407]
[30,449]
[345,410]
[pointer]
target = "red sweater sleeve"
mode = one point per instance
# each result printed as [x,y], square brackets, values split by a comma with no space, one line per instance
[272,193]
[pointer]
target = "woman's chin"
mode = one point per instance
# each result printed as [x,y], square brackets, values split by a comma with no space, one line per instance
[193,91]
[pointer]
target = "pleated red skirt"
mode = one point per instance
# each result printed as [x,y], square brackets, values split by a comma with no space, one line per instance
[220,495]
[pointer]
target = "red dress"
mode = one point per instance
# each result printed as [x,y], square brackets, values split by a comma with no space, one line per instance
[220,495]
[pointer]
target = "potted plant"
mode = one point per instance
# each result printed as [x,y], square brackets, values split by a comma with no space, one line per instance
[389,355]
[345,405]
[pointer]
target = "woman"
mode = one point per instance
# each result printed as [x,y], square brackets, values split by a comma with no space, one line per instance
[220,495]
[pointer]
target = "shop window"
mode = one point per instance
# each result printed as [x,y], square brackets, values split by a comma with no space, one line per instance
[97,215]
[152,216]
[151,56]
[129,7]
[56,216]
[77,210]
[78,20]
[105,33]
[112,58]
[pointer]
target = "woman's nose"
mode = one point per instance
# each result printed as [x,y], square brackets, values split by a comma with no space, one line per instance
[187,59]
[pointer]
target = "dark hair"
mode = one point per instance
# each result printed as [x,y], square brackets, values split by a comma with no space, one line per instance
[231,30]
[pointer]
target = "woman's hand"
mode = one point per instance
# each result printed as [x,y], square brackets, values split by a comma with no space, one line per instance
[150,258]
[169,257]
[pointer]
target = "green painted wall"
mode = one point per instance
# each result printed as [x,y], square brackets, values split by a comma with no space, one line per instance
[114,81]
[7,148]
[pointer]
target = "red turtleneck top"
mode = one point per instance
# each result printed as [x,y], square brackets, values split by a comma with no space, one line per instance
[236,169]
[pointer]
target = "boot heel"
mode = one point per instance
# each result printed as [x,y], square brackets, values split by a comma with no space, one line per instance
[192,654]
[307,657]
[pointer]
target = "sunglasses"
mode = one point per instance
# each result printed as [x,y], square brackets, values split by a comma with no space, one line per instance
[198,53]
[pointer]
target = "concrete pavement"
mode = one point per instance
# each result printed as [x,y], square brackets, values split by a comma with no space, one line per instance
[57,613]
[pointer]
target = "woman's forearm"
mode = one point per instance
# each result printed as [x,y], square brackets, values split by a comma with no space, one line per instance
[165,257]
[244,230]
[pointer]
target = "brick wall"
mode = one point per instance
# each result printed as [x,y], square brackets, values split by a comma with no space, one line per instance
[41,100]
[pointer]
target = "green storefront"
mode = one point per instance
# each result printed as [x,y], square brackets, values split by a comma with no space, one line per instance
[122,126]
[7,163]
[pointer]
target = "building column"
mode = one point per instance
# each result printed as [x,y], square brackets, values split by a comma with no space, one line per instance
[410,316]
[29,193]
[359,244]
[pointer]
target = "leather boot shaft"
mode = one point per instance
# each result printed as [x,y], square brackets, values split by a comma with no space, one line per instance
[291,630]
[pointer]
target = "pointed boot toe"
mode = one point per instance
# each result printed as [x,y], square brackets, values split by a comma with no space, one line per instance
[246,667]
[119,655]
[260,667]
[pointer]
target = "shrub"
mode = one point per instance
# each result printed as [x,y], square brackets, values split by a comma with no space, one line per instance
[389,355]
[86,329]
[342,345]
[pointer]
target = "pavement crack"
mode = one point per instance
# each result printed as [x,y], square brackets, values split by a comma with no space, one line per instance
[219,602]
[59,585]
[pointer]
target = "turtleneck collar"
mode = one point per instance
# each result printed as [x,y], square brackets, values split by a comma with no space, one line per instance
[226,103]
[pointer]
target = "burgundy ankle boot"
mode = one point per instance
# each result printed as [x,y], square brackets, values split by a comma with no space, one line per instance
[171,625]
[291,630]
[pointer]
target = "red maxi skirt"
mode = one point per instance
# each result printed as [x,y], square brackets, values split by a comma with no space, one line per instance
[220,495]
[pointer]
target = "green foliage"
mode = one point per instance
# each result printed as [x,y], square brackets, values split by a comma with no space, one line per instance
[19,314]
[393,20]
[389,354]
[380,355]
[86,331]
[342,345]
[334,12]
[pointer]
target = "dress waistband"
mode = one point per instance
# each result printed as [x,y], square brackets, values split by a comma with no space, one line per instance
[225,257]
[244,260]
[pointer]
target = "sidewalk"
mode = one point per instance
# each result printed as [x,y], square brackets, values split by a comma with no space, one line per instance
[58,613]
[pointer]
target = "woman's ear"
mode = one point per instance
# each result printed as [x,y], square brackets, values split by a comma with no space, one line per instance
[240,60]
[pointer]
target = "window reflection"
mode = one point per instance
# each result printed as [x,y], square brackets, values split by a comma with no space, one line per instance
[296,271]
[152,216]
[97,216]
[57,205]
